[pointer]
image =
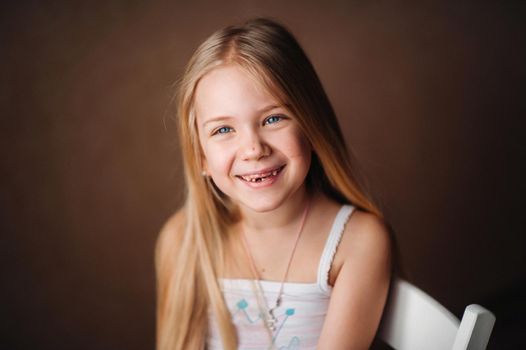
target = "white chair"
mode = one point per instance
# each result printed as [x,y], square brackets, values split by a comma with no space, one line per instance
[413,320]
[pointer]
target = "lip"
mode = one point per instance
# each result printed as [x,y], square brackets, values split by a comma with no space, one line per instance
[262,171]
[267,181]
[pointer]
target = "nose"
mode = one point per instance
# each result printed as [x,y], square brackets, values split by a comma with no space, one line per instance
[253,147]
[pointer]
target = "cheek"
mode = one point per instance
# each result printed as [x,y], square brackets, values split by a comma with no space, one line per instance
[298,146]
[218,160]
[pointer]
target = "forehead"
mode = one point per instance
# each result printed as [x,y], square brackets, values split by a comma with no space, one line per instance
[230,90]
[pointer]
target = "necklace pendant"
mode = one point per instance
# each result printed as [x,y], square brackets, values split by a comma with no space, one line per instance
[272,320]
[271,323]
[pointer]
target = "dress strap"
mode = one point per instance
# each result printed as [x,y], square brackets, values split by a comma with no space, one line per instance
[335,236]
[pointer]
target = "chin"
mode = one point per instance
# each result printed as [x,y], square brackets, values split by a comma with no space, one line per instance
[262,206]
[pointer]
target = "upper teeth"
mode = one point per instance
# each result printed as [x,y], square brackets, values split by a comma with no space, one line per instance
[255,177]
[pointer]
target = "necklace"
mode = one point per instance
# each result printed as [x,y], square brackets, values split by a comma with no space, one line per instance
[270,319]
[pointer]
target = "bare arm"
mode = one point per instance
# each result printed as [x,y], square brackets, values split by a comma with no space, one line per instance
[361,287]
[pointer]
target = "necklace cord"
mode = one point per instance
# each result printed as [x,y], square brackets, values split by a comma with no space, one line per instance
[270,312]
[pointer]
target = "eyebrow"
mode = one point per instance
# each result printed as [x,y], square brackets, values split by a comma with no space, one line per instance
[216,119]
[268,108]
[224,117]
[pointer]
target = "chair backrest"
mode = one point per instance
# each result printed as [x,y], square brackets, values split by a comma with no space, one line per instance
[413,320]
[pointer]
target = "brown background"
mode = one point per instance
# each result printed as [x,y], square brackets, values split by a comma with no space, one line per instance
[428,95]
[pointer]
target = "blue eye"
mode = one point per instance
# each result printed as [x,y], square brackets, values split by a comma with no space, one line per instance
[273,119]
[223,130]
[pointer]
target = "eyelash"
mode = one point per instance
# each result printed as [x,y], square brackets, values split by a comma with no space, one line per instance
[265,122]
[277,116]
[218,131]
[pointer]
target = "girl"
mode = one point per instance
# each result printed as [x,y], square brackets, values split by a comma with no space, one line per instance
[276,246]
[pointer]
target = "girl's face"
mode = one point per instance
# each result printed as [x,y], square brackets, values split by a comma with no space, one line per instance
[253,147]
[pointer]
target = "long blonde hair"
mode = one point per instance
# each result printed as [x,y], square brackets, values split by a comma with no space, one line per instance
[188,266]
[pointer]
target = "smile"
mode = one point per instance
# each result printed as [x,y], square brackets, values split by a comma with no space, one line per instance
[260,177]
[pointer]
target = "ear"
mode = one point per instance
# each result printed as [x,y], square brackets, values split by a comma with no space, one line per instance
[204,166]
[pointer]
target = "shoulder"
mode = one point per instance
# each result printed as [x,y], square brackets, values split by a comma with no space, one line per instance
[174,222]
[173,226]
[170,235]
[366,236]
[366,230]
[365,245]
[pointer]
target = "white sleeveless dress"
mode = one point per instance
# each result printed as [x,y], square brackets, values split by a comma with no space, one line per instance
[302,311]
